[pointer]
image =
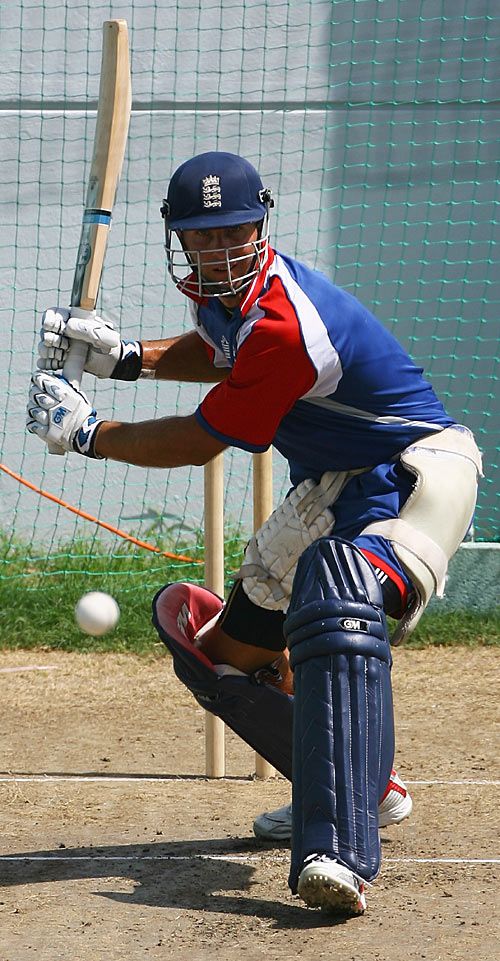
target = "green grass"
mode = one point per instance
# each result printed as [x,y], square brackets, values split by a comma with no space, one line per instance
[38,595]
[456,628]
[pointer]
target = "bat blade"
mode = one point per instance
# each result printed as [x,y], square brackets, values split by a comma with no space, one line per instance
[110,139]
[113,116]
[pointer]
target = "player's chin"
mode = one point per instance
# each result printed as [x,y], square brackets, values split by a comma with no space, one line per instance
[218,283]
[220,286]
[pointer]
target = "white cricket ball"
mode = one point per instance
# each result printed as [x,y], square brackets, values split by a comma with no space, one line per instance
[97,613]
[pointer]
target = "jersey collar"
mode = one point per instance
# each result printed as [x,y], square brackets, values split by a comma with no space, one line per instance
[257,284]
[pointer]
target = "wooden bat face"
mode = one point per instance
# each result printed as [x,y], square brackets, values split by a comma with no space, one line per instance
[112,123]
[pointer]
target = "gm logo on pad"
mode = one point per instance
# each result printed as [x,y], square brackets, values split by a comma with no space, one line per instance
[354,624]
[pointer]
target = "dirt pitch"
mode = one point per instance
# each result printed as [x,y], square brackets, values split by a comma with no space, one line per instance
[146,859]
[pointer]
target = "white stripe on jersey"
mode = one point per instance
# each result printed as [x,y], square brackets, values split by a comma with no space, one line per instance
[334,405]
[319,347]
[254,314]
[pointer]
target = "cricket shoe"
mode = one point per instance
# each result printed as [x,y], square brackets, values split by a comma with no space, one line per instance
[395,806]
[396,803]
[324,883]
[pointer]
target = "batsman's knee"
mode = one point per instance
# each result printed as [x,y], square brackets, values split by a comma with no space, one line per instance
[336,605]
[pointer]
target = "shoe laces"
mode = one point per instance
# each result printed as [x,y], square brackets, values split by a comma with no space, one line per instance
[326,859]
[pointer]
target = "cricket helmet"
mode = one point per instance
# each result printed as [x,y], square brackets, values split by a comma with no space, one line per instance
[214,190]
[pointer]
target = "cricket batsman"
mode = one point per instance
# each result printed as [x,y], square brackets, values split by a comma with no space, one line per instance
[383,489]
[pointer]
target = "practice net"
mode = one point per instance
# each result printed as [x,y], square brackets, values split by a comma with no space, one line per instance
[377,127]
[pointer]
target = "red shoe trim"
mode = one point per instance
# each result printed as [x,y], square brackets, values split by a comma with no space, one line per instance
[393,786]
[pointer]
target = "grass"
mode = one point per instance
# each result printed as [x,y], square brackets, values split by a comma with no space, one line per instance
[38,595]
[464,628]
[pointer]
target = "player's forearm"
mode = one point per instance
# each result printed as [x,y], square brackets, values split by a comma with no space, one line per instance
[181,358]
[167,442]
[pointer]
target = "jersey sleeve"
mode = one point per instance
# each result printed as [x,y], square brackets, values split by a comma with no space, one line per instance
[271,372]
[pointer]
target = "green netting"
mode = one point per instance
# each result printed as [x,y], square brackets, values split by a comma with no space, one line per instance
[376,125]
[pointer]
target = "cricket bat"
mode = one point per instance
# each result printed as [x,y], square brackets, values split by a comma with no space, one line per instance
[113,116]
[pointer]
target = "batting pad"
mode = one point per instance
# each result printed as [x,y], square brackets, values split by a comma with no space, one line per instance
[261,715]
[343,731]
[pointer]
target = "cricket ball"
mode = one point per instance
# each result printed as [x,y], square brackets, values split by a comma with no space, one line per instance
[97,613]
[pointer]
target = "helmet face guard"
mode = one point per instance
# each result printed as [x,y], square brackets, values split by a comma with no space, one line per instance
[186,266]
[212,191]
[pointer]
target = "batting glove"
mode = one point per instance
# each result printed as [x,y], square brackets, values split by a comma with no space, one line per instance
[108,355]
[61,415]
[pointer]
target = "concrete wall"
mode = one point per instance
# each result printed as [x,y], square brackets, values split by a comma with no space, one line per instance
[473,580]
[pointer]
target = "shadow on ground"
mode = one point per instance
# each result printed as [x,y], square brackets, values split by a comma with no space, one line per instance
[188,875]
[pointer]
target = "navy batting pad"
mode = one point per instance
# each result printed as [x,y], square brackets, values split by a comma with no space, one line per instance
[343,733]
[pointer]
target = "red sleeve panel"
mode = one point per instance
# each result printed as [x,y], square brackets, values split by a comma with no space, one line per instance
[271,372]
[209,350]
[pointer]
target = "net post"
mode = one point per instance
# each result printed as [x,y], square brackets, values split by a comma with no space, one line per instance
[215,762]
[262,508]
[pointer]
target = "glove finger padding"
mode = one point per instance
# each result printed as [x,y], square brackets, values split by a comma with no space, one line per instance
[50,341]
[52,351]
[59,414]
[46,392]
[54,320]
[95,331]
[60,329]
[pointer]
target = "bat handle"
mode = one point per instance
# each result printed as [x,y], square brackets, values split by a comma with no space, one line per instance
[75,362]
[74,366]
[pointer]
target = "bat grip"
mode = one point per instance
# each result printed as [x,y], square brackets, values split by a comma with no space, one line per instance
[75,362]
[73,366]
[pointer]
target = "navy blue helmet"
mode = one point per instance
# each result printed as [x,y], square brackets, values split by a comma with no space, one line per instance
[209,192]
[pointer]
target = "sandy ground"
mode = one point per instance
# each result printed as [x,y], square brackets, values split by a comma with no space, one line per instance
[115,845]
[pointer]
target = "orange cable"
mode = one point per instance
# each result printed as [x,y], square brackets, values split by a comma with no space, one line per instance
[95,520]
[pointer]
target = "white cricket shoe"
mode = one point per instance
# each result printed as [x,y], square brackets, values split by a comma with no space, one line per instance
[324,883]
[396,803]
[395,806]
[274,825]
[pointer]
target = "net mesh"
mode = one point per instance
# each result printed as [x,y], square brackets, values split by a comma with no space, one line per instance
[377,127]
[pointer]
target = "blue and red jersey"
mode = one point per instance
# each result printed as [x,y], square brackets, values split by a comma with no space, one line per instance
[316,375]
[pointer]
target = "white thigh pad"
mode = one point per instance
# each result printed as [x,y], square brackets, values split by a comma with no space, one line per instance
[271,555]
[436,516]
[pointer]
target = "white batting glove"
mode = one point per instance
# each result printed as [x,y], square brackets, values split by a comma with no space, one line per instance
[61,415]
[108,355]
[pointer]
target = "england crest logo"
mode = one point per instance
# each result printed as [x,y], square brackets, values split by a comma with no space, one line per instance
[211,192]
